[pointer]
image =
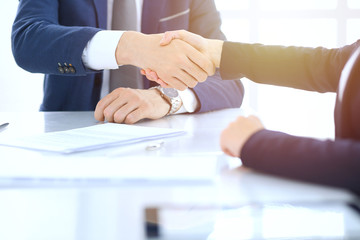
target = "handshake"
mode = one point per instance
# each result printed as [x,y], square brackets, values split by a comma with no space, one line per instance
[175,59]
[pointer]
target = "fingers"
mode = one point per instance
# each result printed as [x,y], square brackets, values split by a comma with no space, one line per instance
[188,80]
[152,76]
[163,84]
[190,63]
[184,79]
[168,37]
[101,106]
[203,62]
[124,111]
[116,109]
[134,116]
[116,106]
[224,139]
[228,152]
[178,64]
[192,74]
[193,39]
[196,42]
[125,105]
[237,133]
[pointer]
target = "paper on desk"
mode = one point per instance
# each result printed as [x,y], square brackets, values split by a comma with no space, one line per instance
[90,138]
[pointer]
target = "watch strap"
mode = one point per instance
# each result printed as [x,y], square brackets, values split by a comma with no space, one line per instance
[175,102]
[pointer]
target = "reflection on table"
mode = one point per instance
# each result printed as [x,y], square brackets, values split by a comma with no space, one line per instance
[327,220]
[236,204]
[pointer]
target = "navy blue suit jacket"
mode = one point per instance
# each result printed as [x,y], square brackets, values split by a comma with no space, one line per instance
[47,33]
[332,162]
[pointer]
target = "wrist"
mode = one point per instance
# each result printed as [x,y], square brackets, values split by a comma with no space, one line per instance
[126,49]
[171,96]
[215,47]
[164,102]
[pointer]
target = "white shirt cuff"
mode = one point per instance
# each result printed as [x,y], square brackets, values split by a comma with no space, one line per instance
[189,101]
[99,52]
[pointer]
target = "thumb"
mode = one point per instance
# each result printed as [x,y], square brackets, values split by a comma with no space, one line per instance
[168,37]
[191,38]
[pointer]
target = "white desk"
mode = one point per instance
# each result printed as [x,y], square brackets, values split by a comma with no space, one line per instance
[95,210]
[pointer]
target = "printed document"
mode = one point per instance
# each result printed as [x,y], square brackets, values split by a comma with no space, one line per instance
[90,138]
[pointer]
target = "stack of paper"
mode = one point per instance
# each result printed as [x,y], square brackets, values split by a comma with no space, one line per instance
[90,138]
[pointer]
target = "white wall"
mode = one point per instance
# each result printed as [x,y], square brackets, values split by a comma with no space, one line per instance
[19,90]
[312,23]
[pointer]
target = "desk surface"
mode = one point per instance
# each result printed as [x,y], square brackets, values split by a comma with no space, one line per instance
[70,210]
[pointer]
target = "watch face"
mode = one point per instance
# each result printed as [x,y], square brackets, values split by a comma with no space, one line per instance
[170,92]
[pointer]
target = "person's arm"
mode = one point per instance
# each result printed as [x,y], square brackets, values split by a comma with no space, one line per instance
[315,69]
[205,21]
[179,61]
[214,93]
[99,52]
[334,163]
[40,43]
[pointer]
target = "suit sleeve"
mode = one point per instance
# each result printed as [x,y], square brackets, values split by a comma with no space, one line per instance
[334,163]
[214,93]
[40,42]
[313,69]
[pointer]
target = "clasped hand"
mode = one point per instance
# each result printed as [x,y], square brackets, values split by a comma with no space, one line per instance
[209,50]
[178,64]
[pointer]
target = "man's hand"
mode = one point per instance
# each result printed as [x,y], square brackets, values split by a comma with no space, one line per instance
[237,133]
[125,105]
[211,48]
[178,64]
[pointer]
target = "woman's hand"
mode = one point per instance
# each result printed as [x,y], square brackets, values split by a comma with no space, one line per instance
[210,48]
[234,137]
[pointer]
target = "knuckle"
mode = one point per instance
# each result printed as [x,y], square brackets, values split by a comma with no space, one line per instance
[182,88]
[117,91]
[109,118]
[212,70]
[180,59]
[239,119]
[146,104]
[100,105]
[193,84]
[130,119]
[97,117]
[203,77]
[118,118]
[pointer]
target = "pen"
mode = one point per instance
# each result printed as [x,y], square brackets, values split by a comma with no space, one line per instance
[142,147]
[3,125]
[155,145]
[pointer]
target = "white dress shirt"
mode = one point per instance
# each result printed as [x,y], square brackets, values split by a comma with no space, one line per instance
[100,54]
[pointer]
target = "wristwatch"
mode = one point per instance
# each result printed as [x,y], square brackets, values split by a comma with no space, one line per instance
[171,95]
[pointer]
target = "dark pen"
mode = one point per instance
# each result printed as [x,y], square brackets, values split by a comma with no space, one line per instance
[3,125]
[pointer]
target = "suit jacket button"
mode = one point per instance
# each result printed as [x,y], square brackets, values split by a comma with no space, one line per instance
[72,69]
[61,69]
[66,70]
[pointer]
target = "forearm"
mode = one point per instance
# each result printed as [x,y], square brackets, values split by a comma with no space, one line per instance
[334,163]
[40,43]
[315,69]
[215,93]
[100,51]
